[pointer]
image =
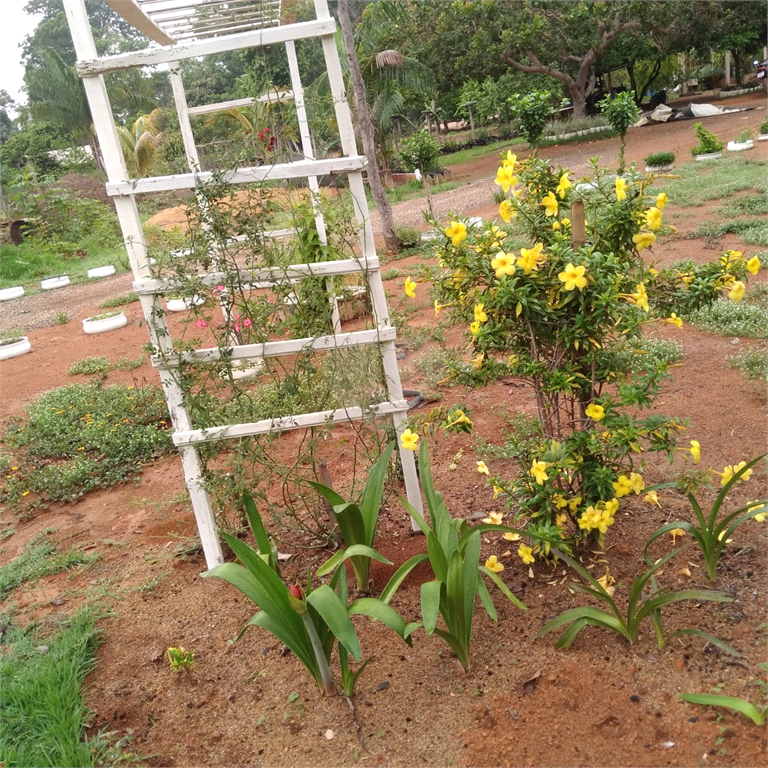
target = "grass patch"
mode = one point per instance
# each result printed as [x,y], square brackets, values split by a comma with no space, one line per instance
[753,363]
[42,704]
[647,352]
[750,230]
[101,366]
[494,148]
[414,189]
[390,274]
[749,205]
[757,293]
[728,318]
[41,557]
[26,264]
[699,183]
[119,301]
[83,436]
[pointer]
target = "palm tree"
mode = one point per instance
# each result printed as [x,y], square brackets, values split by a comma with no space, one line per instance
[140,143]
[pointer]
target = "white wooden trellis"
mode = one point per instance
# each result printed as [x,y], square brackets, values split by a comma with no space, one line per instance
[187,36]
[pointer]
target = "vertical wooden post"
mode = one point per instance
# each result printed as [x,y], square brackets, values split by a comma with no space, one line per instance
[578,227]
[182,109]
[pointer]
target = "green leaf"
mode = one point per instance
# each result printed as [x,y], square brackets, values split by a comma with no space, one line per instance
[370,503]
[400,575]
[457,646]
[485,599]
[437,557]
[257,525]
[330,495]
[727,487]
[566,639]
[430,604]
[638,584]
[356,550]
[685,526]
[470,577]
[502,586]
[301,646]
[326,602]
[657,601]
[757,716]
[376,609]
[594,615]
[716,641]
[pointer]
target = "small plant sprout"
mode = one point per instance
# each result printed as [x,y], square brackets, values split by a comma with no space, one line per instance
[756,714]
[179,658]
[711,533]
[639,607]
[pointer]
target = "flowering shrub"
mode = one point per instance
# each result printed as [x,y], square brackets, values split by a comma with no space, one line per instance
[563,317]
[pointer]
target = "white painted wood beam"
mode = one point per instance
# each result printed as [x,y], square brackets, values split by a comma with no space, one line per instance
[136,17]
[250,175]
[189,50]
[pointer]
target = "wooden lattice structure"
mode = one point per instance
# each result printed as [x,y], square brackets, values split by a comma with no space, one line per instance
[183,29]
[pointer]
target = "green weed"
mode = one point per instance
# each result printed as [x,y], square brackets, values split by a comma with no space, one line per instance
[119,301]
[728,318]
[89,366]
[41,557]
[753,363]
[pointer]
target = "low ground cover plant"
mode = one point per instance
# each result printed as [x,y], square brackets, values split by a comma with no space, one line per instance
[660,159]
[83,436]
[708,142]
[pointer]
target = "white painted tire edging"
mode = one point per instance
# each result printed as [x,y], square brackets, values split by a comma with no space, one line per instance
[54,282]
[101,271]
[6,294]
[104,324]
[20,347]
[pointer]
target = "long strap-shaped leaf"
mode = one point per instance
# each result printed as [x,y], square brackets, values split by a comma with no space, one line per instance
[593,615]
[370,503]
[356,550]
[636,589]
[326,602]
[302,650]
[430,604]
[701,537]
[399,576]
[727,487]
[376,609]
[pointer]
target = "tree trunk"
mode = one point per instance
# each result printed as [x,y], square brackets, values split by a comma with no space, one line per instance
[579,101]
[737,66]
[366,131]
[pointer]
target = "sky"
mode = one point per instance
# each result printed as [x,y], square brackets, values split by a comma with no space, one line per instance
[16,26]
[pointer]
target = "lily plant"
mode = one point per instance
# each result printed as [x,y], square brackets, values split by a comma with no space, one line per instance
[357,523]
[712,534]
[307,620]
[640,606]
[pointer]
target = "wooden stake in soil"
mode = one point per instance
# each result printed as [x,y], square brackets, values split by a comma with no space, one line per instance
[578,229]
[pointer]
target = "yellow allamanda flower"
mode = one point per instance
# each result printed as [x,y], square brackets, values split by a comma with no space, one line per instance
[673,319]
[494,518]
[460,418]
[439,306]
[573,277]
[695,451]
[565,221]
[746,475]
[622,486]
[482,468]
[477,361]
[675,532]
[556,225]
[643,240]
[661,200]
[621,189]
[560,502]
[538,471]
[509,160]
[563,185]
[497,491]
[653,218]
[595,412]
[509,536]
[474,328]
[507,211]
[493,564]
[736,292]
[457,231]
[480,314]
[574,503]
[530,258]
[504,264]
[549,201]
[505,177]
[639,298]
[607,582]
[409,440]
[652,498]
[636,482]
[526,554]
[753,265]
[410,288]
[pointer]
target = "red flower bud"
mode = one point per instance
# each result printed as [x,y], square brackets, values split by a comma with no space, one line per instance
[296,591]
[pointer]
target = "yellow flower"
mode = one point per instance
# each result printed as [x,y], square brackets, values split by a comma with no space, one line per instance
[497,491]
[621,189]
[675,532]
[505,177]
[673,319]
[753,265]
[493,564]
[460,418]
[555,225]
[507,211]
[607,582]
[563,185]
[737,291]
[439,306]
[526,554]
[652,498]
[561,520]
[477,361]
[408,440]
[596,412]
[695,451]
[746,475]
[480,315]
[509,160]
[622,486]
[410,288]
[636,482]
[760,517]
[482,468]
[457,231]
[25,493]
[574,503]
[720,537]
[653,218]
[504,264]
[661,200]
[537,471]
[474,328]
[560,502]
[573,277]
[639,298]
[643,240]
[530,258]
[494,518]
[565,221]
[725,475]
[549,201]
